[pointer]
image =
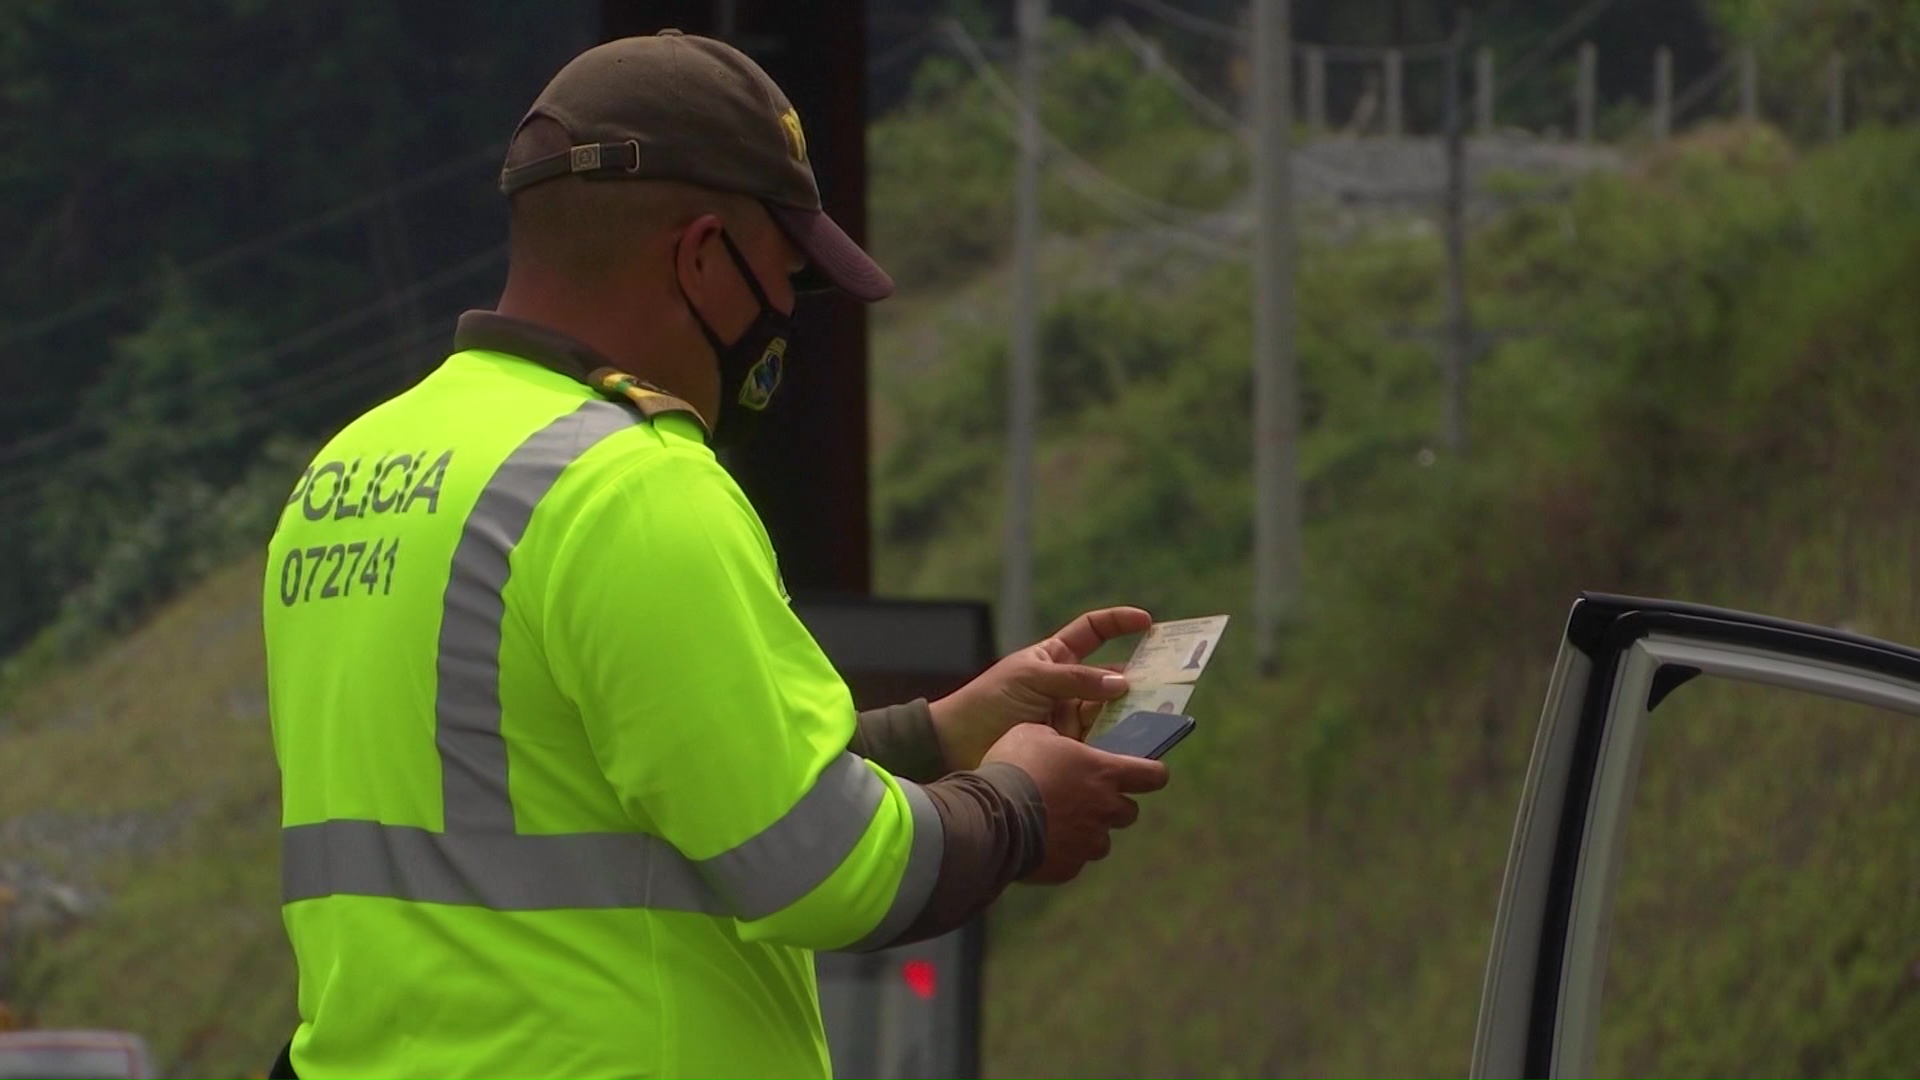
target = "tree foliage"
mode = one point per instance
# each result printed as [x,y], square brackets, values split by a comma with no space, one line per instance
[142,139]
[1879,41]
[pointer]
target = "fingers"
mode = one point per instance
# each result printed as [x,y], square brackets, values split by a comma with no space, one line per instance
[1132,774]
[1125,813]
[1068,681]
[1088,632]
[1075,718]
[1087,713]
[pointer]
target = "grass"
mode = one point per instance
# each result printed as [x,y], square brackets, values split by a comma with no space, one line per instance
[1806,951]
[1721,414]
[168,727]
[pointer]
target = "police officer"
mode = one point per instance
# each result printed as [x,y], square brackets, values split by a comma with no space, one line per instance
[568,790]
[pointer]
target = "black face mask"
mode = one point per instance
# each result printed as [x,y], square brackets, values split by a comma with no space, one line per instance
[750,367]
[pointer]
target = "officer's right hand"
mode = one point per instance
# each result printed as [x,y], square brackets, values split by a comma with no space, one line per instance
[1085,792]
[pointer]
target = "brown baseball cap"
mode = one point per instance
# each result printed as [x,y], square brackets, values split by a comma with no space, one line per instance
[674,106]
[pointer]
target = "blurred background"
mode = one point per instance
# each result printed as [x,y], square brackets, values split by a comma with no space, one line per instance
[1563,295]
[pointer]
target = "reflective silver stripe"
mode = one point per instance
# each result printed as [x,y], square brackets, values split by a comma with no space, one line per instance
[473,756]
[479,860]
[791,857]
[500,871]
[923,869]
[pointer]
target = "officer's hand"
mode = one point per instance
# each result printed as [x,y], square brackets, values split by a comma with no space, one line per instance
[1085,792]
[1045,683]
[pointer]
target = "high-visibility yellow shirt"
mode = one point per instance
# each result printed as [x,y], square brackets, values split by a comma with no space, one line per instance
[566,783]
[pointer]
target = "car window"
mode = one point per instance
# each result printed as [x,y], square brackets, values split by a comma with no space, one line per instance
[1766,910]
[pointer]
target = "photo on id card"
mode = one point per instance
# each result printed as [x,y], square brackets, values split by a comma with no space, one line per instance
[1175,652]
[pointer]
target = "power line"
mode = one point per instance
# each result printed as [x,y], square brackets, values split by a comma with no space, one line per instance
[25,447]
[1343,181]
[890,59]
[1187,20]
[1544,51]
[1219,31]
[72,432]
[68,433]
[348,369]
[1701,88]
[79,429]
[1150,215]
[351,365]
[1150,54]
[1094,184]
[247,249]
[466,268]
[352,373]
[21,497]
[375,368]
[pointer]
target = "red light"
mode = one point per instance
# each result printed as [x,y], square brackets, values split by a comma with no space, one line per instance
[919,976]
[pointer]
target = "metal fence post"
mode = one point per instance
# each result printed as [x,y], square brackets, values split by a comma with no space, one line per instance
[1390,89]
[1316,89]
[1483,91]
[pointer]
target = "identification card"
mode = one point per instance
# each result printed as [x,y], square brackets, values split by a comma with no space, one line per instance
[1163,669]
[1175,652]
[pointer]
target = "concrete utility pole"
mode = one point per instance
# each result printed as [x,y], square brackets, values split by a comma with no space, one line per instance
[1276,409]
[1836,96]
[1586,92]
[1749,86]
[1460,337]
[1023,406]
[1662,93]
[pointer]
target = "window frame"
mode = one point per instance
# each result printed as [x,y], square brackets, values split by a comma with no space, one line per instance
[1619,660]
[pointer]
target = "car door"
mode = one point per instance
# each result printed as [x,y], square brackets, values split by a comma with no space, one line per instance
[51,1055]
[1619,661]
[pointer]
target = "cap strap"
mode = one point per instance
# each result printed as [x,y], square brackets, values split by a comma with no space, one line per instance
[587,159]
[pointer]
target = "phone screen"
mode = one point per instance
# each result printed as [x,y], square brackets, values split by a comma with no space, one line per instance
[1144,734]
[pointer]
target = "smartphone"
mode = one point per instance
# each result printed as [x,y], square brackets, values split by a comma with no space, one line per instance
[1144,734]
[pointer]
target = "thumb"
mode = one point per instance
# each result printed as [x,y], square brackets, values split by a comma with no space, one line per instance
[1074,681]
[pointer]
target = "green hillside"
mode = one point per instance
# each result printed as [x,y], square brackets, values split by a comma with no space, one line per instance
[1719,407]
[1721,413]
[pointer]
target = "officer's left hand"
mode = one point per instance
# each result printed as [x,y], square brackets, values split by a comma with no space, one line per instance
[1045,683]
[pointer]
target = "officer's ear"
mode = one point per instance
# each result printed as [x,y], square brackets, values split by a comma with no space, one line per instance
[699,259]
